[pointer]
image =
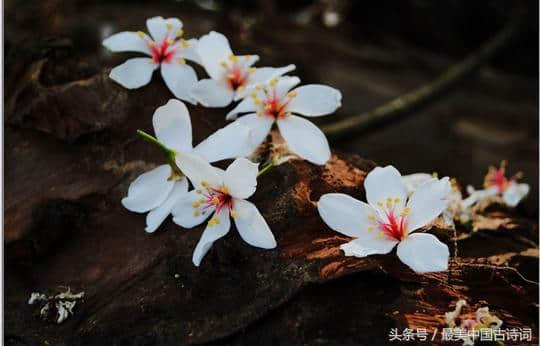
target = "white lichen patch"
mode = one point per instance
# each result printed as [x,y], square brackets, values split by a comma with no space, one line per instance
[63,303]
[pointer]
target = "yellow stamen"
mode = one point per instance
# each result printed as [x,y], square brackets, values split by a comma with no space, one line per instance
[196,213]
[292,93]
[405,211]
[196,204]
[199,191]
[168,26]
[234,214]
[371,217]
[215,200]
[224,189]
[252,69]
[371,228]
[204,184]
[169,41]
[181,61]
[257,101]
[380,204]
[435,175]
[224,64]
[397,200]
[240,88]
[185,43]
[273,82]
[140,34]
[233,58]
[180,33]
[380,235]
[259,113]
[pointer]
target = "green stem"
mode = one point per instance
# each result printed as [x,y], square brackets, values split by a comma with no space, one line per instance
[265,168]
[169,153]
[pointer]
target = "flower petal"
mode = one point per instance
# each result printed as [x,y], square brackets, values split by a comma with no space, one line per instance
[134,73]
[345,214]
[383,183]
[198,170]
[149,190]
[211,234]
[161,29]
[314,100]
[477,195]
[259,127]
[284,84]
[427,202]
[213,49]
[412,181]
[172,125]
[252,226]
[305,139]
[156,216]
[515,193]
[423,253]
[245,106]
[184,213]
[241,178]
[246,61]
[189,52]
[265,74]
[232,141]
[261,76]
[211,93]
[369,245]
[128,41]
[180,79]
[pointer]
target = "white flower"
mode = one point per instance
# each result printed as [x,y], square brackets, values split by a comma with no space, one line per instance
[496,184]
[156,191]
[221,194]
[167,50]
[275,102]
[231,76]
[389,219]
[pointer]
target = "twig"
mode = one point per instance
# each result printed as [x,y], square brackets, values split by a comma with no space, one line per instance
[500,267]
[405,104]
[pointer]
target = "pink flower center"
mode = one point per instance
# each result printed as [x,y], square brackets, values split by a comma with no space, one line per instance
[213,197]
[162,52]
[237,77]
[274,107]
[391,226]
[395,227]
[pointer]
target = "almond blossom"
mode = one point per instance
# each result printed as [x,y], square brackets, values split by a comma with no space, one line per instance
[497,184]
[275,102]
[389,218]
[222,195]
[166,48]
[157,190]
[231,76]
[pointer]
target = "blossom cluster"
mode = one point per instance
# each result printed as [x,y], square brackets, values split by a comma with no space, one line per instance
[497,188]
[190,189]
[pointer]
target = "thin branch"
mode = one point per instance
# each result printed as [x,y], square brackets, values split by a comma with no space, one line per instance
[403,105]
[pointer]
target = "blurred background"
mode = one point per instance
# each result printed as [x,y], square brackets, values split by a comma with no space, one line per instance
[372,51]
